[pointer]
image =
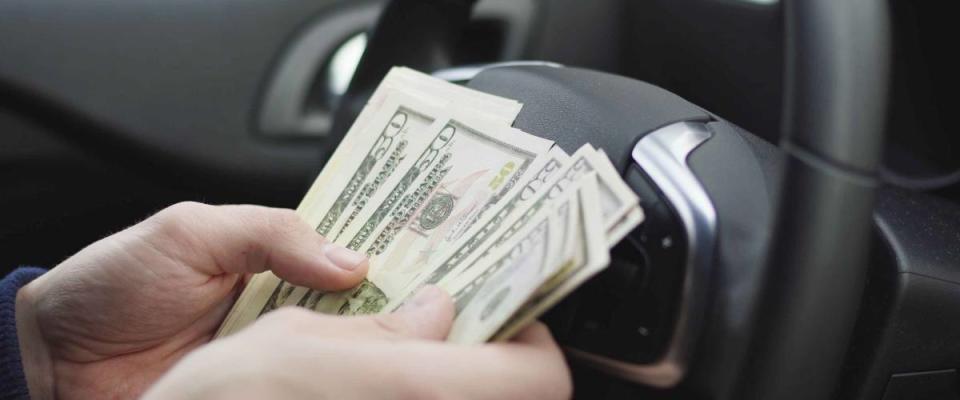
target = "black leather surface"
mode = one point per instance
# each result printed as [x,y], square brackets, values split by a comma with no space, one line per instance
[574,106]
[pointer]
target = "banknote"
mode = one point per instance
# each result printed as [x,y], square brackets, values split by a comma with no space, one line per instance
[617,200]
[552,290]
[436,92]
[427,90]
[558,211]
[371,153]
[412,249]
[617,197]
[488,300]
[624,226]
[633,216]
[386,140]
[470,167]
[433,185]
[500,231]
[542,178]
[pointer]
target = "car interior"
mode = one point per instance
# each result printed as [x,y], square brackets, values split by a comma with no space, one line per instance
[793,158]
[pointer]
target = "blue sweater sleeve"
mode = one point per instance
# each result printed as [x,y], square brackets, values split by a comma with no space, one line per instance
[13,384]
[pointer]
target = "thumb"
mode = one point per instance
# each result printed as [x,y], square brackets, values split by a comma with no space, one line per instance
[244,239]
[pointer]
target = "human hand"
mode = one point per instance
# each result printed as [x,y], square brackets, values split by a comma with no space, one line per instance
[107,322]
[292,353]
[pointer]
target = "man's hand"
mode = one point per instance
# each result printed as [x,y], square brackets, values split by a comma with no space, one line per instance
[109,321]
[293,353]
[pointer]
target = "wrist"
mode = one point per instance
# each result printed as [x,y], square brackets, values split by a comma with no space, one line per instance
[34,352]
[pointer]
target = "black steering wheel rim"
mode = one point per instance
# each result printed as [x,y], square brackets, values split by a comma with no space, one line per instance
[837,71]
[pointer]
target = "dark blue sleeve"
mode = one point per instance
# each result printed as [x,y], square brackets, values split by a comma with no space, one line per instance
[13,384]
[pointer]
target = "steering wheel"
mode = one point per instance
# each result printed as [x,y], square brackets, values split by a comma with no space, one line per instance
[793,334]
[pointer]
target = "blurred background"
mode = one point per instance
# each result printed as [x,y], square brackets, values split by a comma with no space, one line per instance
[111,110]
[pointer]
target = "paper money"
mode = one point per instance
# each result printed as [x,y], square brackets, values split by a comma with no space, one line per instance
[371,152]
[379,147]
[435,187]
[453,183]
[487,300]
[585,161]
[544,178]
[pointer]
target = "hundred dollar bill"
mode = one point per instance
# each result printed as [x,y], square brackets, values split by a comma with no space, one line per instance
[543,178]
[488,299]
[500,231]
[384,142]
[560,239]
[459,204]
[624,226]
[469,167]
[485,105]
[616,200]
[453,247]
[633,217]
[405,102]
[415,84]
[553,290]
[514,269]
[436,92]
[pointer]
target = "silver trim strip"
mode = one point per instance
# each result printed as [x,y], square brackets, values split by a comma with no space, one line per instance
[662,155]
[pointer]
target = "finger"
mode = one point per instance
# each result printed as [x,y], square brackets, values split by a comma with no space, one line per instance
[515,370]
[252,239]
[536,335]
[532,367]
[532,363]
[427,316]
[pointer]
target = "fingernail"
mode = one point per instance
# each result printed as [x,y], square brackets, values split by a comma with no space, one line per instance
[426,295]
[343,257]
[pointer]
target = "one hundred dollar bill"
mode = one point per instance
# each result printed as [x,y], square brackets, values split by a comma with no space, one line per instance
[469,168]
[616,200]
[570,277]
[434,187]
[513,274]
[542,179]
[370,154]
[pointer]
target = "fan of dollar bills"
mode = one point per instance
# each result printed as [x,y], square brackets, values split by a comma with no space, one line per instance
[435,187]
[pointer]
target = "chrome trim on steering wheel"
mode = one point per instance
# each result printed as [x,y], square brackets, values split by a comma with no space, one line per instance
[662,156]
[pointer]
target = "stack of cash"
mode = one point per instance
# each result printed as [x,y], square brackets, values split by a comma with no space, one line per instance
[433,184]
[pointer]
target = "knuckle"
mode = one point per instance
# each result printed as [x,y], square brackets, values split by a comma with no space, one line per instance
[184,209]
[539,329]
[175,223]
[283,222]
[390,324]
[175,216]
